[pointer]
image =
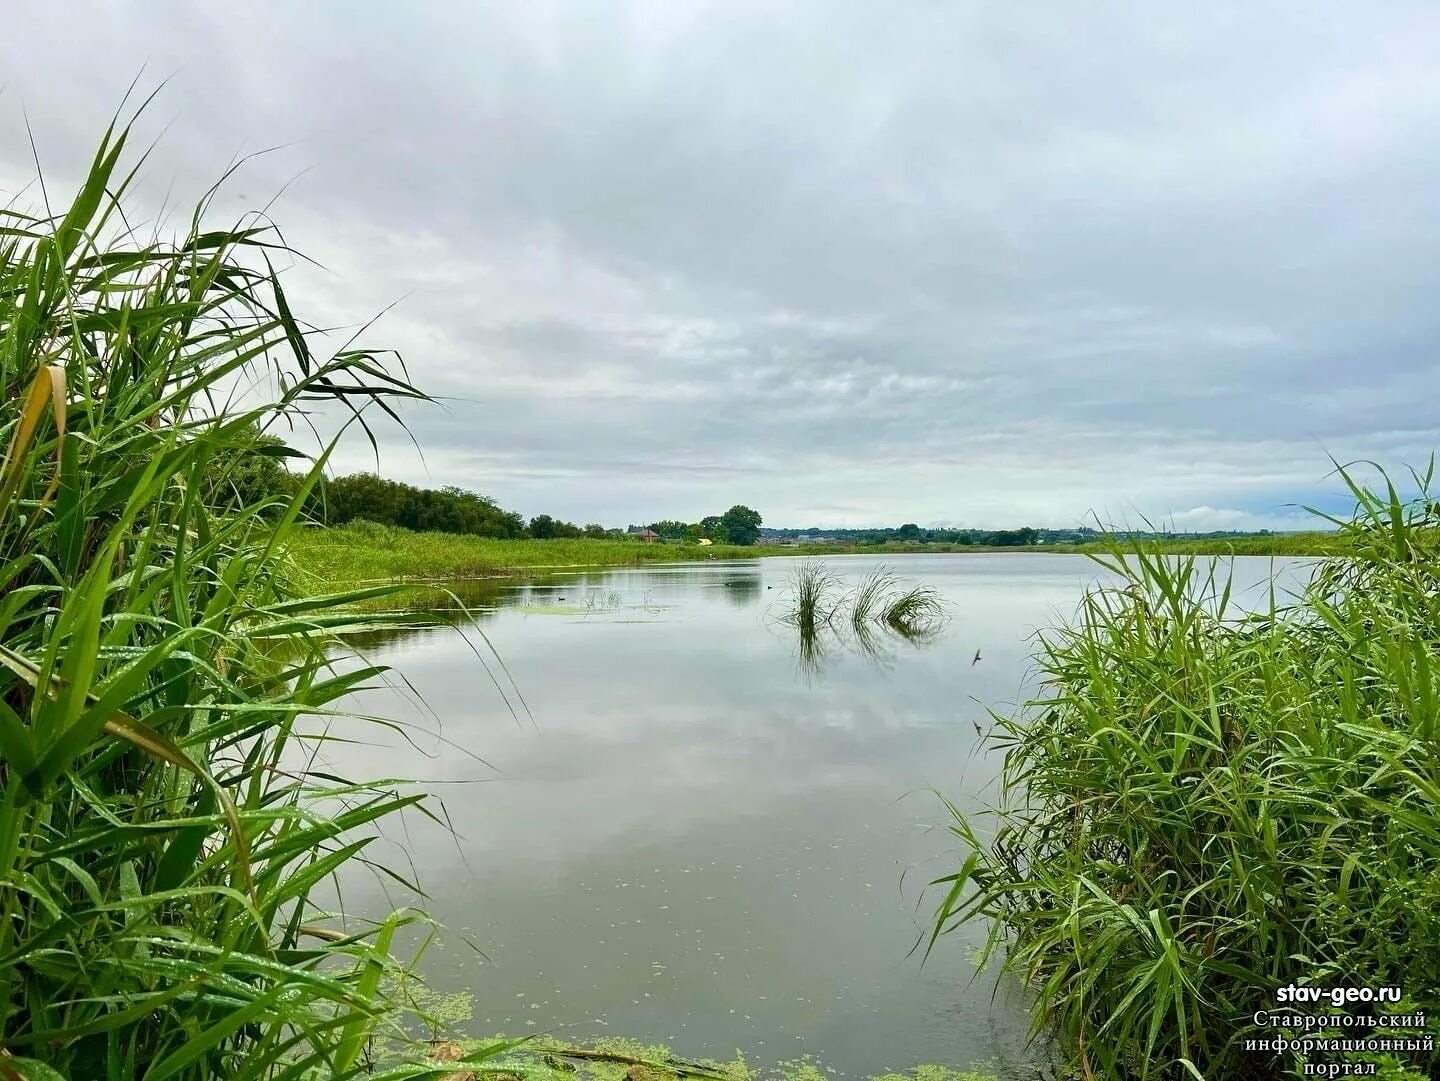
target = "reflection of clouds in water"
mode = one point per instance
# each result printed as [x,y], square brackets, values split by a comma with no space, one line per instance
[695,821]
[743,587]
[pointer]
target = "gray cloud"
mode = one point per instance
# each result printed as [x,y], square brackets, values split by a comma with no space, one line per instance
[848,263]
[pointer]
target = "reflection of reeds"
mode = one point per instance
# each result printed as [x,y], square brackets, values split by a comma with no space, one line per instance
[813,605]
[877,605]
[812,650]
[915,612]
[869,600]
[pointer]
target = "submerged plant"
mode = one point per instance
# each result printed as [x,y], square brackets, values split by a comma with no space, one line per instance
[161,834]
[1208,803]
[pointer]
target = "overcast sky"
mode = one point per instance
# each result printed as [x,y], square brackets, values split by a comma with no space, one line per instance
[953,263]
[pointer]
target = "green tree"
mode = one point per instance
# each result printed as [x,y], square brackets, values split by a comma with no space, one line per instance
[595,529]
[669,529]
[445,510]
[909,531]
[543,527]
[252,475]
[741,525]
[364,495]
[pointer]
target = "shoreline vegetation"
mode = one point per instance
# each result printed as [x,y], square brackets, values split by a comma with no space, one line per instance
[1211,799]
[165,850]
[620,1059]
[1205,805]
[170,854]
[361,553]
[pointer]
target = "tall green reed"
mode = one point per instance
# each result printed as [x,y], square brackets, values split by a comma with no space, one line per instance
[819,607]
[1209,801]
[162,837]
[814,599]
[914,613]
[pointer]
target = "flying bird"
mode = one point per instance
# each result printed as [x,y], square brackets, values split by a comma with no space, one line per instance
[976,660]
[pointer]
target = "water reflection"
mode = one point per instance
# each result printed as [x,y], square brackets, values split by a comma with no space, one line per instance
[868,618]
[742,588]
[693,845]
[595,595]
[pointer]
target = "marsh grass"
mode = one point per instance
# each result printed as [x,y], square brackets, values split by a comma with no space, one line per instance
[1307,543]
[866,619]
[163,683]
[366,553]
[870,600]
[814,598]
[1210,801]
[916,613]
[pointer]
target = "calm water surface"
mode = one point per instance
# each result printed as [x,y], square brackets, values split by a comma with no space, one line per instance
[701,839]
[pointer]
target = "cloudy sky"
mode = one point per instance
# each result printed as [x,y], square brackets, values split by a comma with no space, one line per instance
[970,263]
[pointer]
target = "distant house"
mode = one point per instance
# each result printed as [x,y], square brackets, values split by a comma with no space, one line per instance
[648,536]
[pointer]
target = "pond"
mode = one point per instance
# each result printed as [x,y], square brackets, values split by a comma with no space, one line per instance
[687,832]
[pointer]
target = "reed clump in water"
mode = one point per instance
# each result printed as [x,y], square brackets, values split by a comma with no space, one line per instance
[871,599]
[823,612]
[1210,803]
[915,612]
[815,598]
[161,837]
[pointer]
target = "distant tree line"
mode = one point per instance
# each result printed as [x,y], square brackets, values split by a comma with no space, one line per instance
[910,533]
[738,525]
[258,472]
[440,510]
[390,502]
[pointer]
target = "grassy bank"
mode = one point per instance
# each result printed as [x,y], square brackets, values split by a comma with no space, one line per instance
[1209,803]
[364,552]
[1278,544]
